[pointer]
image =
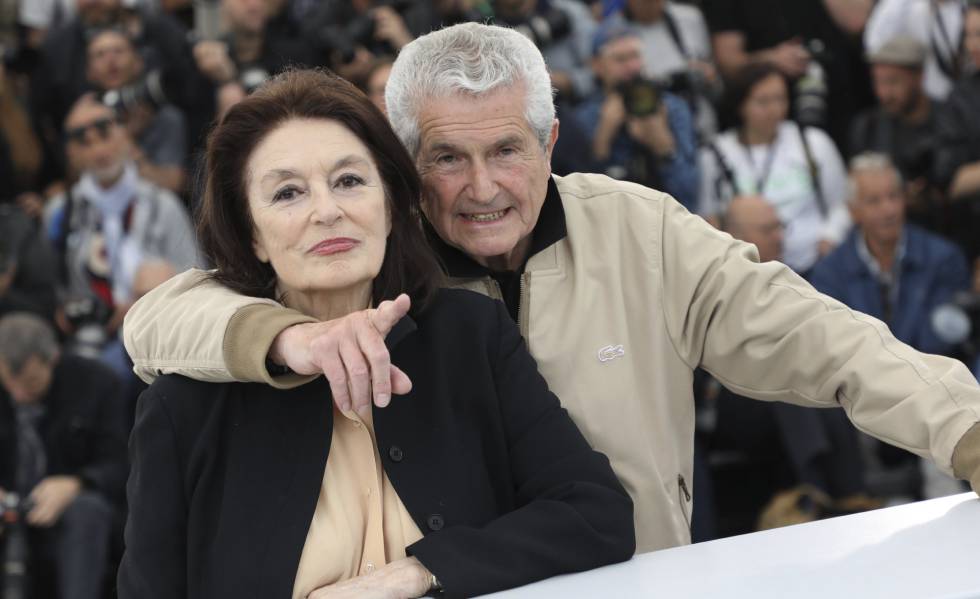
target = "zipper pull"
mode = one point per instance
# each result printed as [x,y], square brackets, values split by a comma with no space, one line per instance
[683,486]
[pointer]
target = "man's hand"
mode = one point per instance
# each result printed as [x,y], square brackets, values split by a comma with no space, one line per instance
[654,132]
[825,247]
[351,353]
[213,60]
[790,57]
[612,115]
[390,27]
[51,497]
[403,579]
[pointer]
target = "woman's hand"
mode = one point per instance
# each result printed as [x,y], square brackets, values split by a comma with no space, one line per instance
[403,579]
[351,353]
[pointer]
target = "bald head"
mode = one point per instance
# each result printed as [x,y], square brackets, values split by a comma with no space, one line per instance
[754,220]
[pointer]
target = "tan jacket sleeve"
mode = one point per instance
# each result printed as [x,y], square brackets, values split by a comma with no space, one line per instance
[198,328]
[765,333]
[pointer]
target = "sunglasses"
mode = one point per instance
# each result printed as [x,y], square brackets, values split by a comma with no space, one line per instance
[80,134]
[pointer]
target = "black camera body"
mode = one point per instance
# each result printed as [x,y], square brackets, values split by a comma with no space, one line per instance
[16,552]
[546,28]
[642,97]
[359,31]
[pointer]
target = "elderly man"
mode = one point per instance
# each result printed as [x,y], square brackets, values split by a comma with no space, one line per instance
[894,271]
[63,442]
[619,292]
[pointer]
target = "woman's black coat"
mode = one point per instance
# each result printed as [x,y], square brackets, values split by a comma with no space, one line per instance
[225,477]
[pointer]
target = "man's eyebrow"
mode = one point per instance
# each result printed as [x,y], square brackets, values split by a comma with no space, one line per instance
[510,140]
[442,146]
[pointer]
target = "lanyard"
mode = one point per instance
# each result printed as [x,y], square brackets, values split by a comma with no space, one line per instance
[950,62]
[763,177]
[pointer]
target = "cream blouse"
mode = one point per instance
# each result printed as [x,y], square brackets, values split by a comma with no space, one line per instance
[360,523]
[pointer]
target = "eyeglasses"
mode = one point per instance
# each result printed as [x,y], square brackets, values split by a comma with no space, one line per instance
[80,134]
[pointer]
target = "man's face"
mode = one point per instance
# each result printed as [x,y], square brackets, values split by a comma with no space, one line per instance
[619,61]
[897,88]
[30,384]
[879,208]
[484,174]
[246,15]
[971,34]
[112,61]
[97,12]
[97,143]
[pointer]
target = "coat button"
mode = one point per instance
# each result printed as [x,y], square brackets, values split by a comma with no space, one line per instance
[395,453]
[436,522]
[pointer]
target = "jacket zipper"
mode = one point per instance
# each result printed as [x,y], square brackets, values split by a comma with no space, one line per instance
[522,305]
[684,496]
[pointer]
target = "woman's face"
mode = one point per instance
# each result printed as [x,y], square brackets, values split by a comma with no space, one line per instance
[319,208]
[767,104]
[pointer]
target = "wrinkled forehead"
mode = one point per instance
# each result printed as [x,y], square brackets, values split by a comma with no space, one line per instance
[464,119]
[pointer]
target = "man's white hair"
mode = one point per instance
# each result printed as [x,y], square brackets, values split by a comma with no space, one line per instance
[472,59]
[869,162]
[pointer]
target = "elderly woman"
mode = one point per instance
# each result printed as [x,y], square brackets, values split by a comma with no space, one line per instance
[475,481]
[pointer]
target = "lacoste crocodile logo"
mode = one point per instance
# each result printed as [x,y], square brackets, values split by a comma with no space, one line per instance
[611,352]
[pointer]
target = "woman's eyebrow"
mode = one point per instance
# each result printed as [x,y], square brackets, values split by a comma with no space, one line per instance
[278,174]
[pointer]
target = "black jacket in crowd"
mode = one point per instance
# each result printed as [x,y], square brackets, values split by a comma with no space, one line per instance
[83,430]
[225,477]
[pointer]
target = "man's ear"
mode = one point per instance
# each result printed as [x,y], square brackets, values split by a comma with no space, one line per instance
[551,142]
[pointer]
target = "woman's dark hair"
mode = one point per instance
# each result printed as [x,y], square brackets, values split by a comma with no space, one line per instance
[741,88]
[224,222]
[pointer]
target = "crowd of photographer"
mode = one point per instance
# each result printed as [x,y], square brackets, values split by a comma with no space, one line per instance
[839,136]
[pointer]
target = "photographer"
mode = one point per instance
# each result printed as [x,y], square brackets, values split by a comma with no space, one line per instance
[563,31]
[639,132]
[159,128]
[676,49]
[903,126]
[107,224]
[63,438]
[28,267]
[814,43]
[248,54]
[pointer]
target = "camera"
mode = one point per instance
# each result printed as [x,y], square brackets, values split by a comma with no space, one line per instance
[150,90]
[88,317]
[16,553]
[957,323]
[545,29]
[810,90]
[642,97]
[359,31]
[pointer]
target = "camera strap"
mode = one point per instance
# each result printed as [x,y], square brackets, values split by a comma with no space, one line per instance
[726,175]
[762,177]
[675,34]
[814,170]
[950,60]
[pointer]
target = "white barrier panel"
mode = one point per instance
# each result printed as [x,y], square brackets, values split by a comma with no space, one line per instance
[929,549]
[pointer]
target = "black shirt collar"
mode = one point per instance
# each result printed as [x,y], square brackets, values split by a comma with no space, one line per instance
[549,230]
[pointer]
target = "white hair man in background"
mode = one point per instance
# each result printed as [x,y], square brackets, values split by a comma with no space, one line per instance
[619,292]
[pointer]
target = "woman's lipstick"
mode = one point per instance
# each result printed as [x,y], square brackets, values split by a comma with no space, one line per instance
[336,245]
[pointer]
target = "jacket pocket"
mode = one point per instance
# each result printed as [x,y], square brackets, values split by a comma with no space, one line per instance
[684,500]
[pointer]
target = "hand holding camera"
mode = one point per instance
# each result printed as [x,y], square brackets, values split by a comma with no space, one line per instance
[214,61]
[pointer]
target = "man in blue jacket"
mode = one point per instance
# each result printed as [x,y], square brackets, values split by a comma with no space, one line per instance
[887,268]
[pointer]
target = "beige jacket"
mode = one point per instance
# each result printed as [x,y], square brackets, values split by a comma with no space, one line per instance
[618,315]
